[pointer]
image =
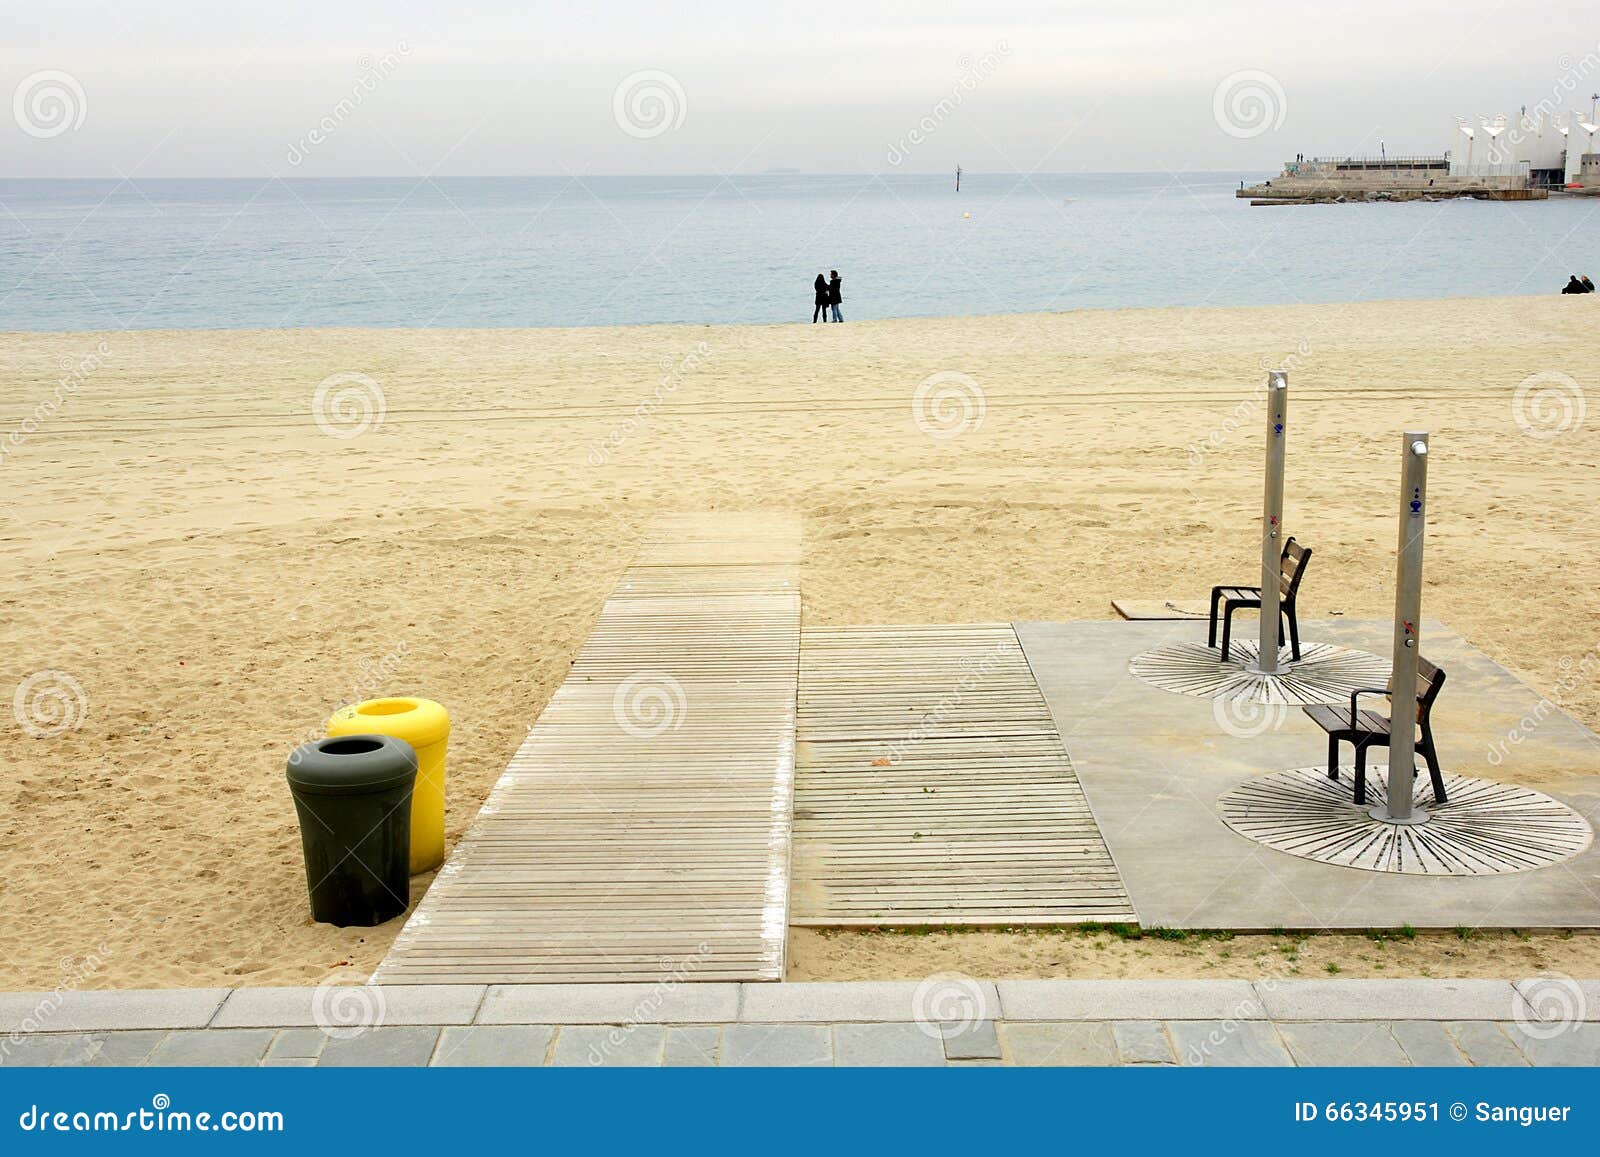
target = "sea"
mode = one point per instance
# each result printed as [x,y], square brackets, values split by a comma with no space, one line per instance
[627,250]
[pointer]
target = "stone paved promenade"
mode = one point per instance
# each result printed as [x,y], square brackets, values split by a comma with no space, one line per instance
[942,1021]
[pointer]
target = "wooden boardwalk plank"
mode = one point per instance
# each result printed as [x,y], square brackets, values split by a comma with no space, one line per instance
[642,831]
[933,788]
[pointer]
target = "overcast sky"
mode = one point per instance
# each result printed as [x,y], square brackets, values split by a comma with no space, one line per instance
[401,87]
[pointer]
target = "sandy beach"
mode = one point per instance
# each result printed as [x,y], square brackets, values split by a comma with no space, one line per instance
[216,569]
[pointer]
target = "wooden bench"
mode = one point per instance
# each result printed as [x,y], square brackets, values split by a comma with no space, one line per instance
[1291,569]
[1364,729]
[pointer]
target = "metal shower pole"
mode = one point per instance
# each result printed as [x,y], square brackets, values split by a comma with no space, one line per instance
[1272,521]
[1398,808]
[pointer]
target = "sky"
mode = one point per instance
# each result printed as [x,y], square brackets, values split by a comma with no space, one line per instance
[230,88]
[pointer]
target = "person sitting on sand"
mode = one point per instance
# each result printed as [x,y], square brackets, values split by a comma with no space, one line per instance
[1588,286]
[834,297]
[1573,285]
[821,310]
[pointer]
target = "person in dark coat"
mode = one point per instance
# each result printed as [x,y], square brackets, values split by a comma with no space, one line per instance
[834,297]
[821,287]
[1588,286]
[1573,285]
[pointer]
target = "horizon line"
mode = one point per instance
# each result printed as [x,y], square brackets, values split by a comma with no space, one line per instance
[965,172]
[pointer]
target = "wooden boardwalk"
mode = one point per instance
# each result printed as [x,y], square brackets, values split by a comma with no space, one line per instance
[933,788]
[642,831]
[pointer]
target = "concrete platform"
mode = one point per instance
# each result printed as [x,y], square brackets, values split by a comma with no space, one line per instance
[1153,765]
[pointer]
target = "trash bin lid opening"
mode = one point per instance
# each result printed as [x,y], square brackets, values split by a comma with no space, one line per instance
[387,707]
[420,722]
[356,745]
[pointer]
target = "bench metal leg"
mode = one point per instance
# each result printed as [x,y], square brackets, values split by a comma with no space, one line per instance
[1216,597]
[1333,756]
[1429,754]
[1227,627]
[1294,633]
[1361,772]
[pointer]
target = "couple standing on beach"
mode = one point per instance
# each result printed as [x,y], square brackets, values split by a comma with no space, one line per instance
[827,296]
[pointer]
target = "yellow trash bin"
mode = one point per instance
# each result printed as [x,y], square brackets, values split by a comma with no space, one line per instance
[425,725]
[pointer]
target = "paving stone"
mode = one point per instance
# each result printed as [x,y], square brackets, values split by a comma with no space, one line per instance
[1143,1042]
[1081,1000]
[786,1045]
[971,1041]
[116,1049]
[1574,1044]
[371,1005]
[109,1010]
[1485,1045]
[692,1046]
[1371,1000]
[398,1046]
[1084,1043]
[682,1003]
[289,1063]
[618,1046]
[211,1048]
[1228,1043]
[1335,1044]
[1426,1043]
[886,1045]
[482,1045]
[837,1002]
[297,1044]
[35,1050]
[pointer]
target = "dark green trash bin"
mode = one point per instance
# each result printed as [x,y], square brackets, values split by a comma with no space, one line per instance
[353,793]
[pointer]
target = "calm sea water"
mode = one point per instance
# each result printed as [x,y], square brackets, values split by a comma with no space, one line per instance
[622,250]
